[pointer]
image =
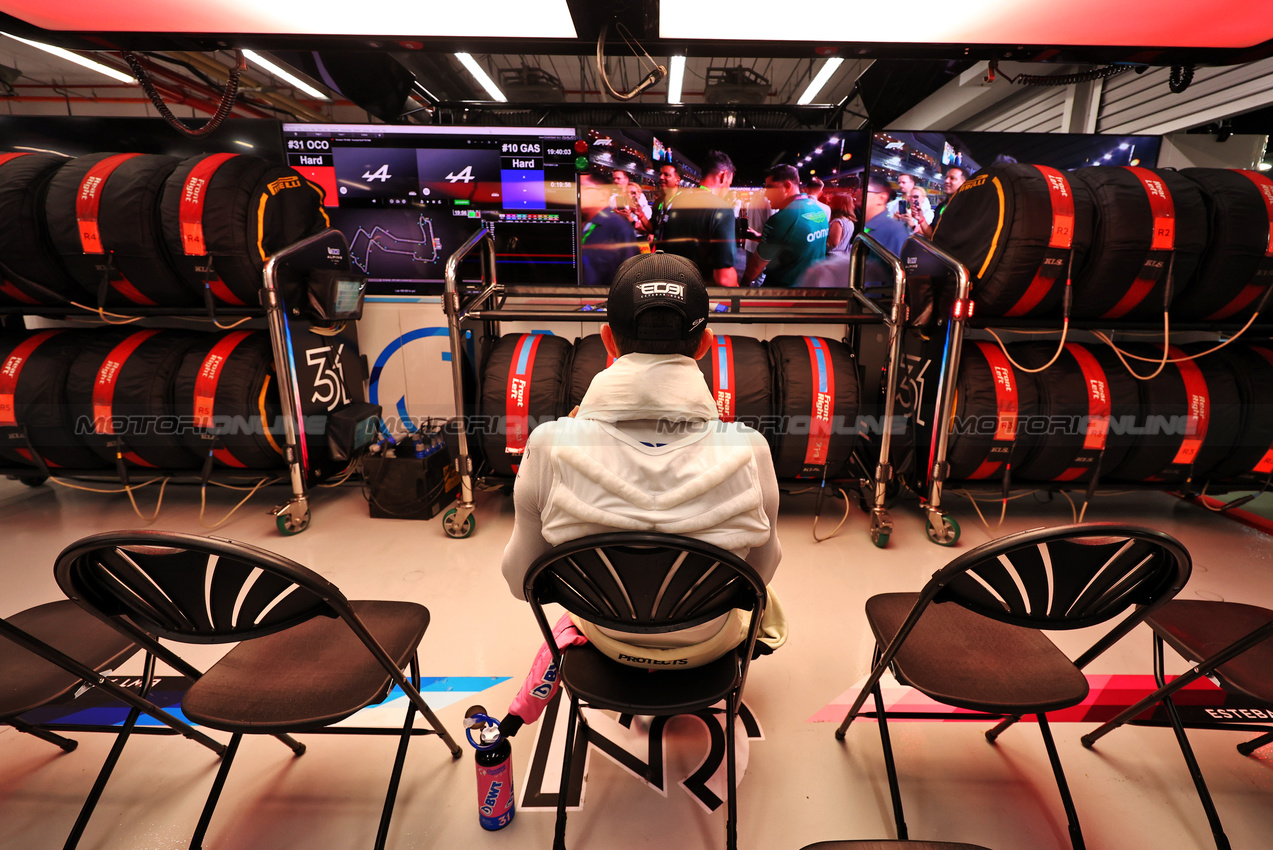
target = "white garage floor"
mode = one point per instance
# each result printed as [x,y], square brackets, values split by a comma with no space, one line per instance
[800,786]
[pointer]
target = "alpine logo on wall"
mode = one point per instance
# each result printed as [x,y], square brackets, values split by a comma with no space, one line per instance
[656,751]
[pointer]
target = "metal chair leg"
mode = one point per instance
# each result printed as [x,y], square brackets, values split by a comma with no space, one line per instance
[117,749]
[205,817]
[400,758]
[993,734]
[889,766]
[67,744]
[1254,744]
[1186,750]
[731,773]
[1071,815]
[567,762]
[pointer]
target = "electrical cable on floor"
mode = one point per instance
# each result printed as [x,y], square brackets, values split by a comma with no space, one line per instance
[1073,510]
[836,530]
[203,502]
[344,476]
[1101,336]
[1065,330]
[129,490]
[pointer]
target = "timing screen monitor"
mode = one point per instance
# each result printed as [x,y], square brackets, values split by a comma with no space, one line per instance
[636,160]
[927,157]
[408,197]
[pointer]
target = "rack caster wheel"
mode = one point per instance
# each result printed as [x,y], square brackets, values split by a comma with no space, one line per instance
[33,480]
[288,526]
[947,534]
[879,538]
[453,527]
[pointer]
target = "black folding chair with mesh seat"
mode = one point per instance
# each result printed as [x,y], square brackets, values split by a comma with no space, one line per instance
[48,651]
[306,657]
[974,637]
[646,583]
[1228,642]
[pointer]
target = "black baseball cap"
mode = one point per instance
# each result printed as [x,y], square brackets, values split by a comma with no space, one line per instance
[657,280]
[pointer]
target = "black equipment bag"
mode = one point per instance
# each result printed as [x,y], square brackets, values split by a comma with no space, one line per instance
[33,372]
[1015,227]
[124,388]
[1084,397]
[1249,460]
[737,372]
[524,383]
[1149,225]
[103,216]
[1187,422]
[815,392]
[30,271]
[589,359]
[992,399]
[224,214]
[1236,271]
[226,386]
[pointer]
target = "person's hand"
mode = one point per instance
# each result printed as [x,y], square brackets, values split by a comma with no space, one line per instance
[906,220]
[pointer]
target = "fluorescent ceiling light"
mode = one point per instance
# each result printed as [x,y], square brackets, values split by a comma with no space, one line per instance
[395,19]
[285,75]
[1173,23]
[828,68]
[478,74]
[82,61]
[675,79]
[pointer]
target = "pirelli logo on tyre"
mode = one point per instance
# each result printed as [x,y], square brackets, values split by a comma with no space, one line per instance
[292,182]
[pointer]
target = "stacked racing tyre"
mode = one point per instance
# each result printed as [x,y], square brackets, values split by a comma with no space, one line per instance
[590,359]
[33,381]
[226,389]
[992,399]
[1249,461]
[30,271]
[1021,230]
[1149,230]
[224,214]
[815,392]
[1084,397]
[1236,271]
[123,385]
[524,382]
[737,373]
[102,212]
[1188,421]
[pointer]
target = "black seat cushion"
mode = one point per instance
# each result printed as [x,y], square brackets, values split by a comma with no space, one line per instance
[1198,629]
[970,661]
[606,684]
[27,681]
[307,676]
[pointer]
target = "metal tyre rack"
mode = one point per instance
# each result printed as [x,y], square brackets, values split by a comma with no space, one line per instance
[485,305]
[940,526]
[302,461]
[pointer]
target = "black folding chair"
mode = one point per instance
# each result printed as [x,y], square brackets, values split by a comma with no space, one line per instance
[1226,641]
[987,652]
[646,583]
[307,657]
[48,651]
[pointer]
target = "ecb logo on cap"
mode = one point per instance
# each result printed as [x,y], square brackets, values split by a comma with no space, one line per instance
[663,288]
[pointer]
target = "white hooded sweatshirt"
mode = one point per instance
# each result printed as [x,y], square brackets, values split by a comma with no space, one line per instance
[646,452]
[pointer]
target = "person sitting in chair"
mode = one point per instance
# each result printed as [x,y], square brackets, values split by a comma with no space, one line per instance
[646,451]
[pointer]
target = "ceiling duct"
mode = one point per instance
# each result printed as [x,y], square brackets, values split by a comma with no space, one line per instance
[738,84]
[530,84]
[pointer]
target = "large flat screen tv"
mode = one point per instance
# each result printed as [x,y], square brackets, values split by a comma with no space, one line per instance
[407,197]
[832,160]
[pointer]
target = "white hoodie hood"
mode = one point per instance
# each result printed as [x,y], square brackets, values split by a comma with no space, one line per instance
[648,452]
